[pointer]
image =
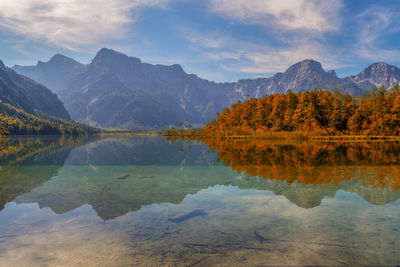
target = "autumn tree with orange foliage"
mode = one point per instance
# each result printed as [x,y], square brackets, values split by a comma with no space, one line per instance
[318,112]
[3,122]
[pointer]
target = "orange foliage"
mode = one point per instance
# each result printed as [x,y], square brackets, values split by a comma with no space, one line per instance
[314,163]
[4,121]
[318,112]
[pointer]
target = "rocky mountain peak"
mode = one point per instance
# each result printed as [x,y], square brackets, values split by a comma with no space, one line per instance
[379,68]
[2,64]
[177,67]
[306,66]
[379,65]
[332,73]
[309,74]
[113,59]
[106,52]
[378,74]
[59,59]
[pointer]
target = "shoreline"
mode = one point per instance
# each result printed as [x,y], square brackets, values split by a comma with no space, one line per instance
[288,136]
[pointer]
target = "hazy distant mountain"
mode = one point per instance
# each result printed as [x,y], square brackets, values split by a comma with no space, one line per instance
[115,90]
[26,94]
[377,74]
[55,73]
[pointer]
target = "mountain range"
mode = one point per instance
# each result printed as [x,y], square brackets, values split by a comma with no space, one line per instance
[118,91]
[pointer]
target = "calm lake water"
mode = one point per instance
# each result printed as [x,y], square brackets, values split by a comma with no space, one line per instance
[150,202]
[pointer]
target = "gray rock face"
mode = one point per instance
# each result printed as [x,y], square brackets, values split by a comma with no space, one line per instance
[377,74]
[26,94]
[116,90]
[333,73]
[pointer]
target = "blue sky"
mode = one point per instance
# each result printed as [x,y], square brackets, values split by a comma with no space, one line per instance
[220,40]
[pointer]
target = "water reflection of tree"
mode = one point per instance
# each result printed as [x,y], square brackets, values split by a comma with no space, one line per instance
[20,160]
[15,150]
[376,164]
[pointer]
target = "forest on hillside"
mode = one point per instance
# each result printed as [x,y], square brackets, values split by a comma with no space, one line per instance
[16,121]
[318,112]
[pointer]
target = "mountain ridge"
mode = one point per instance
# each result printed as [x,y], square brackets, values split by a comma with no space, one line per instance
[181,96]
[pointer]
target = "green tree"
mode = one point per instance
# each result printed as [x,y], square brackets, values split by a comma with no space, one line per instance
[180,124]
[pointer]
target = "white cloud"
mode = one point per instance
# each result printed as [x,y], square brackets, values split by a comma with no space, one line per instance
[262,60]
[247,57]
[70,23]
[289,14]
[374,25]
[213,40]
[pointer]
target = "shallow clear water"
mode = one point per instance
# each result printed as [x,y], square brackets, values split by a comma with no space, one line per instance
[148,202]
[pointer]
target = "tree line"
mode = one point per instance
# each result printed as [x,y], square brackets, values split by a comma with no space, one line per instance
[317,111]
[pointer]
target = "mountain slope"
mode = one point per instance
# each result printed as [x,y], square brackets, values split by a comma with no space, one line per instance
[24,93]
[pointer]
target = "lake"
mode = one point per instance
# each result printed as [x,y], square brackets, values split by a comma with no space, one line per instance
[148,201]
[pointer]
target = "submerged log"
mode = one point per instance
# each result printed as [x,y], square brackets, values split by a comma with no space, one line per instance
[187,216]
[123,177]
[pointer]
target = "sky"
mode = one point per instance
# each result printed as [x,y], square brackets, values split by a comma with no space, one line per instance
[219,40]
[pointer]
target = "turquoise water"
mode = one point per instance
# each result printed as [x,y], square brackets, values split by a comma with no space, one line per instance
[147,202]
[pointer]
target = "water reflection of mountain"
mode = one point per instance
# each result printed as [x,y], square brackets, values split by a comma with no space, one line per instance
[310,195]
[116,176]
[158,172]
[29,162]
[141,151]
